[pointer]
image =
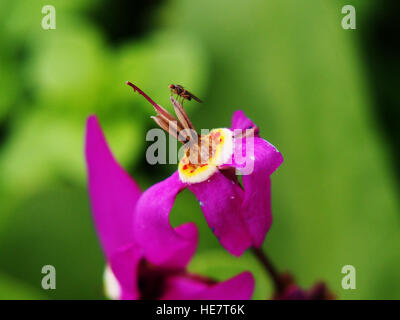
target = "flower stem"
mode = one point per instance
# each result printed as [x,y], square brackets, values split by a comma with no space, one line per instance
[270,268]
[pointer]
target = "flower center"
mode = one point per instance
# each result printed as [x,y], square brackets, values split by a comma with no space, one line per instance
[201,160]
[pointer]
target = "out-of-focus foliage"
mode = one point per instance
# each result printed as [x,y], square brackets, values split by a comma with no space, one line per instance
[54,227]
[289,66]
[13,290]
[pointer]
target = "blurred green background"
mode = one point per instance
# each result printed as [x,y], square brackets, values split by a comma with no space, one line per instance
[326,97]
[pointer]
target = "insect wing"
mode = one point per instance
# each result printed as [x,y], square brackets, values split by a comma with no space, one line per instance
[193,96]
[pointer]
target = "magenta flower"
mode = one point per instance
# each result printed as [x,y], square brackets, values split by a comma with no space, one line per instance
[239,216]
[133,273]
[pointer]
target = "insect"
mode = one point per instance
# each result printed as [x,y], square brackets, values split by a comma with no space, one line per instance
[183,93]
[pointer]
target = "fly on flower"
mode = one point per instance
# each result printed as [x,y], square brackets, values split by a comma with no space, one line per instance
[181,128]
[202,153]
[183,93]
[239,214]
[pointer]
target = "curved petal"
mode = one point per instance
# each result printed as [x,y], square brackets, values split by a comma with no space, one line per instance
[240,121]
[262,158]
[182,288]
[240,287]
[220,200]
[113,194]
[124,265]
[161,243]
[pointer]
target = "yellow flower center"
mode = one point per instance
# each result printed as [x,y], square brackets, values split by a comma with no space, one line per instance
[201,160]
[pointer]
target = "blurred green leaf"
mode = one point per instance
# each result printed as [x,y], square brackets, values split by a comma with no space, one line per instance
[46,148]
[54,227]
[187,209]
[156,62]
[19,25]
[70,66]
[8,81]
[10,289]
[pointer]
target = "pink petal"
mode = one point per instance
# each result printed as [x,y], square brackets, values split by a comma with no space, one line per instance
[182,288]
[240,287]
[240,121]
[124,265]
[113,194]
[256,207]
[161,243]
[220,200]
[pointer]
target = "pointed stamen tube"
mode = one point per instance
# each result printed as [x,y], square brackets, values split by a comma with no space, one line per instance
[173,123]
[168,126]
[176,128]
[164,125]
[181,114]
[183,117]
[158,108]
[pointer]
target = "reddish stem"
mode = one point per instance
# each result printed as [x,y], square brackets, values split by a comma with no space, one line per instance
[270,268]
